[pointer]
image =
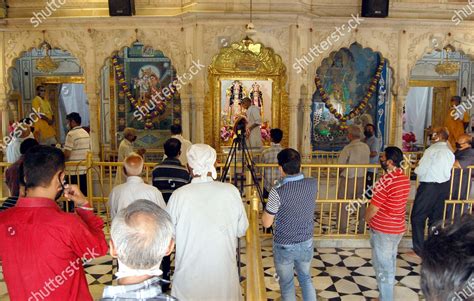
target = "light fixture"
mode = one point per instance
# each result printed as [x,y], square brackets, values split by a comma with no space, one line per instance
[46,64]
[250,28]
[446,67]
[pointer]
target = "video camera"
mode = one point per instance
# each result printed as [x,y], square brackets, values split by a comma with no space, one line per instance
[240,127]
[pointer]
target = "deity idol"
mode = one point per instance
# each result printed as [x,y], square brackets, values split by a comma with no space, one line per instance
[256,95]
[337,99]
[142,84]
[235,94]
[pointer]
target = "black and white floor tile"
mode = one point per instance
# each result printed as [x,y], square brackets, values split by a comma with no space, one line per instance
[347,274]
[338,274]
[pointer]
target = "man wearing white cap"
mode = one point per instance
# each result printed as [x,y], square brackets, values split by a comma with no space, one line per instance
[209,217]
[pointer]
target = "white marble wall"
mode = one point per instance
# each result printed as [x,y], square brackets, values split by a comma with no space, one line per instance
[194,36]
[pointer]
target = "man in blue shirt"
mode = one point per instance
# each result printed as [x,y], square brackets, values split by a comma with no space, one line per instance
[291,205]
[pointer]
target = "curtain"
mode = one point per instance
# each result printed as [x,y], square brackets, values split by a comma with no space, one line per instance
[72,98]
[418,108]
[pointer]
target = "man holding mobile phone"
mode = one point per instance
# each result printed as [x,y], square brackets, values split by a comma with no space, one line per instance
[41,247]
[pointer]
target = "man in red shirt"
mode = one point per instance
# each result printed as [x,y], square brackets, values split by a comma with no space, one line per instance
[386,219]
[42,248]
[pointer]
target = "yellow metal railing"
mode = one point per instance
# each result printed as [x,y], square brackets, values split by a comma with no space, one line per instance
[255,282]
[330,157]
[156,155]
[152,154]
[336,191]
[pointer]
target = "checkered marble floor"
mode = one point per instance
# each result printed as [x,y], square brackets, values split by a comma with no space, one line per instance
[347,274]
[338,274]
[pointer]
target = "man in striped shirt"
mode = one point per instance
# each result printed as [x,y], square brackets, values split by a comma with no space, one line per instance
[291,204]
[167,177]
[76,147]
[386,219]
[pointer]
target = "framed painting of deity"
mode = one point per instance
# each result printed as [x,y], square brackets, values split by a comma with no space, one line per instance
[143,78]
[232,93]
[245,69]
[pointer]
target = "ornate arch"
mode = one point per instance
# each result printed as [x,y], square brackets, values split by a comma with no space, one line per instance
[245,60]
[382,96]
[427,42]
[377,41]
[19,43]
[107,42]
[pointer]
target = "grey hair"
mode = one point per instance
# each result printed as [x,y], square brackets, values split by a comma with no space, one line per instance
[354,130]
[141,234]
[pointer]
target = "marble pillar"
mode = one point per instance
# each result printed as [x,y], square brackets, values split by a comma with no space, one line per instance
[95,127]
[199,130]
[294,92]
[293,128]
[185,116]
[397,131]
[306,131]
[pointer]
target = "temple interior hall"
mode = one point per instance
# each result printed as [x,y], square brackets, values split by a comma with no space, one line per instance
[238,149]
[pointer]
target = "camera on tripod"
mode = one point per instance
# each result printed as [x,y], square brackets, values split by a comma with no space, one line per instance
[240,127]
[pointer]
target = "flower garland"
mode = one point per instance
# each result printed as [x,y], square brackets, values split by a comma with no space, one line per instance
[160,104]
[357,110]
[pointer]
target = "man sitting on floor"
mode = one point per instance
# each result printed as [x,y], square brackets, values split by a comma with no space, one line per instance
[134,189]
[141,235]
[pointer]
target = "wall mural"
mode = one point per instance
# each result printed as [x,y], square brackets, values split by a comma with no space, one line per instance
[146,99]
[348,85]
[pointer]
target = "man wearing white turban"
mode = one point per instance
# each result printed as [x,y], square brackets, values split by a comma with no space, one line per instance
[209,217]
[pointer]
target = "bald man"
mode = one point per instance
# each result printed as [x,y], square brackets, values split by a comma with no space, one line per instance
[126,146]
[434,173]
[464,157]
[134,189]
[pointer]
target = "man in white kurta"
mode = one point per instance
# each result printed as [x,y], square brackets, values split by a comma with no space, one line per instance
[134,189]
[254,121]
[209,217]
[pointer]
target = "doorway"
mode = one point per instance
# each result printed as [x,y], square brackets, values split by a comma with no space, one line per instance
[427,105]
[66,95]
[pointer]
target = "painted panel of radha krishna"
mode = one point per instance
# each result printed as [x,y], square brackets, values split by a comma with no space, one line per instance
[345,76]
[147,72]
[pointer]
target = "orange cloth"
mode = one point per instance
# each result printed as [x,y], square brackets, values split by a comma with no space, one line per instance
[43,129]
[455,126]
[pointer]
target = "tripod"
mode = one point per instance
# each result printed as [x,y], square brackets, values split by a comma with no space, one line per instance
[240,144]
